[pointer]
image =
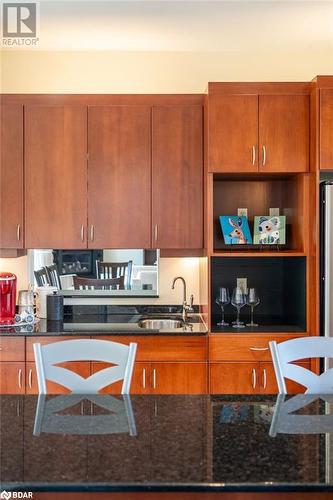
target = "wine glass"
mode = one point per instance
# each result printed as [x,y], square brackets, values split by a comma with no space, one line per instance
[238,300]
[222,300]
[252,300]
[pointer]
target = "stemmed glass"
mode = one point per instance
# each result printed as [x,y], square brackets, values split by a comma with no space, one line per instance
[252,300]
[222,300]
[238,300]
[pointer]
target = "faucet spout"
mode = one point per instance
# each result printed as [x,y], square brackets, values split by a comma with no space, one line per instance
[185,307]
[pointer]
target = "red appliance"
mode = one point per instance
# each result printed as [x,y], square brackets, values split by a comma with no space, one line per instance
[7,298]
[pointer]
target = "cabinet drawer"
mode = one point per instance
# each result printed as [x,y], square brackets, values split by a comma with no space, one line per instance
[154,348]
[44,340]
[242,348]
[12,349]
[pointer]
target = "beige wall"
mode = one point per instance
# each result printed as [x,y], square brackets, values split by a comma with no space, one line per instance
[152,72]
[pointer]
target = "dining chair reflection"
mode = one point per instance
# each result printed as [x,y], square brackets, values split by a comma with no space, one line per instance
[286,421]
[117,415]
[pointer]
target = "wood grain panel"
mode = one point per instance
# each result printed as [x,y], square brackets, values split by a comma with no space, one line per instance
[158,348]
[119,176]
[232,133]
[243,348]
[234,378]
[284,130]
[177,184]
[55,176]
[12,349]
[179,378]
[11,176]
[12,378]
[326,130]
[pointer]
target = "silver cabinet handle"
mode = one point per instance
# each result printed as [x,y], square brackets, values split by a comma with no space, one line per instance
[259,348]
[265,378]
[156,232]
[253,155]
[30,379]
[92,232]
[254,378]
[263,155]
[154,378]
[18,408]
[20,378]
[82,232]
[144,378]
[18,232]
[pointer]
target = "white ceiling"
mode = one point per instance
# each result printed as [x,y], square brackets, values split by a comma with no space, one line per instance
[186,25]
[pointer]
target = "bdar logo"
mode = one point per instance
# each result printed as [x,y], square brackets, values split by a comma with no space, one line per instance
[5,494]
[19,20]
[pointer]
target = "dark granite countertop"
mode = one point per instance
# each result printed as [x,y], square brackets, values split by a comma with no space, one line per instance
[166,443]
[113,320]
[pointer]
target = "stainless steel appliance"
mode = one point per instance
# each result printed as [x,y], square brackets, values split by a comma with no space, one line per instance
[327,263]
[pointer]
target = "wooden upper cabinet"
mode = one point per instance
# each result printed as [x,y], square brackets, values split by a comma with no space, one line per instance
[284,131]
[177,184]
[119,177]
[56,176]
[233,133]
[11,176]
[326,129]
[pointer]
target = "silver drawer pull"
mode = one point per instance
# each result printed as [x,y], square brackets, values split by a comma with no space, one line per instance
[259,348]
[30,379]
[253,155]
[82,232]
[154,378]
[20,378]
[254,378]
[263,155]
[18,233]
[92,232]
[265,378]
[144,378]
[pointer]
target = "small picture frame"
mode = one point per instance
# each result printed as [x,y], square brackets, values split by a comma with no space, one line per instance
[269,230]
[235,230]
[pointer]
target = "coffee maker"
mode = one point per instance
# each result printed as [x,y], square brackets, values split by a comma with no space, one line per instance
[7,298]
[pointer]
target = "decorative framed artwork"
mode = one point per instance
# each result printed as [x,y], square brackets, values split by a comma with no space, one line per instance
[235,230]
[269,230]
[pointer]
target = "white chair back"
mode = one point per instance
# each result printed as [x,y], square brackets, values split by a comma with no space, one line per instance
[285,353]
[47,356]
[119,419]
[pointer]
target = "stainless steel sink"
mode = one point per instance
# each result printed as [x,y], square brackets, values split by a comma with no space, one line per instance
[161,324]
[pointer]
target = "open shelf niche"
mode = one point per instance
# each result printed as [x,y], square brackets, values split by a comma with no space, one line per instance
[258,194]
[281,286]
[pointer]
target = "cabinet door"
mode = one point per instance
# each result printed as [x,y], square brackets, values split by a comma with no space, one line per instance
[234,378]
[119,176]
[56,176]
[179,378]
[284,131]
[11,176]
[177,177]
[82,368]
[326,130]
[12,378]
[140,380]
[233,133]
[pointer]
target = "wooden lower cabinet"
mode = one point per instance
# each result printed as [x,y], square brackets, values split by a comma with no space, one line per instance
[12,377]
[233,378]
[248,378]
[162,378]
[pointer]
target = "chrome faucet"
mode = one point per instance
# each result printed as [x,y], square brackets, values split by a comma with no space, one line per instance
[186,308]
